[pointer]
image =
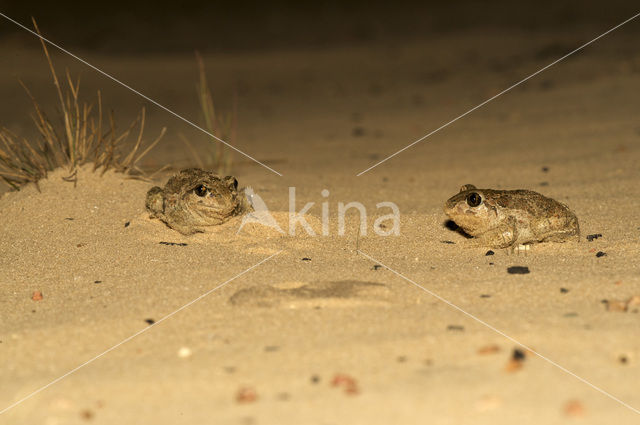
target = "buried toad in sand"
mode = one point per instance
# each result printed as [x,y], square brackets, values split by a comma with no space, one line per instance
[507,218]
[195,198]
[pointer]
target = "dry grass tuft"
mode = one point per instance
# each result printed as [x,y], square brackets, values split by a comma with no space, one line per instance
[217,158]
[79,136]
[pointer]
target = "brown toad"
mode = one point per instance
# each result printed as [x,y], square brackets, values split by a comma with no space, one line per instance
[508,218]
[195,198]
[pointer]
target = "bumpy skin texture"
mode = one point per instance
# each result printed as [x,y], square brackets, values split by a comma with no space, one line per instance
[194,198]
[507,218]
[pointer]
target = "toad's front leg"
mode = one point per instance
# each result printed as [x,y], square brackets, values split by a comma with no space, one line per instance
[502,236]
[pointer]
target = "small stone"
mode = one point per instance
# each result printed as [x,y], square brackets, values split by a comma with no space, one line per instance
[358,131]
[615,305]
[37,296]
[306,259]
[564,290]
[573,408]
[490,252]
[485,295]
[127,224]
[150,321]
[315,379]
[518,270]
[448,242]
[184,352]
[517,360]
[246,395]
[594,236]
[376,267]
[457,328]
[633,301]
[489,349]
[545,169]
[600,254]
[349,384]
[97,281]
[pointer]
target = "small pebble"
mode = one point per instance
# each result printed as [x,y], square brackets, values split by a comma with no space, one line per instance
[489,349]
[563,290]
[600,254]
[97,281]
[377,267]
[623,359]
[518,270]
[150,321]
[306,259]
[37,296]
[448,242]
[590,238]
[173,243]
[455,328]
[489,252]
[127,224]
[246,395]
[315,379]
[357,131]
[485,295]
[184,352]
[573,408]
[545,169]
[516,361]
[349,384]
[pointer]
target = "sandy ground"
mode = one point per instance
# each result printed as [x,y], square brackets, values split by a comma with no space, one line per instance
[317,334]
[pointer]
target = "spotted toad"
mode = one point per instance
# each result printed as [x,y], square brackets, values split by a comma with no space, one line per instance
[508,218]
[195,198]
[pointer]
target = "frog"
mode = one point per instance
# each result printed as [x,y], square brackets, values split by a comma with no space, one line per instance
[511,218]
[194,199]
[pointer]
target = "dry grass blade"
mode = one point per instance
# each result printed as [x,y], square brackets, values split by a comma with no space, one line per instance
[79,138]
[217,158]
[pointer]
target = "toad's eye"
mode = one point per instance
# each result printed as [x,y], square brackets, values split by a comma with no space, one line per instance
[474,199]
[200,190]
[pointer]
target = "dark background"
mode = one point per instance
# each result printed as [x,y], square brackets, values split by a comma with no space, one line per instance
[119,26]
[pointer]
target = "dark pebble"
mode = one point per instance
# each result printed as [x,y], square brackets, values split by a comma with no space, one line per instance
[545,169]
[306,259]
[315,379]
[518,270]
[485,296]
[150,321]
[97,281]
[69,218]
[127,224]
[377,267]
[600,254]
[590,238]
[357,132]
[623,359]
[457,328]
[448,242]
[518,355]
[563,290]
[544,183]
[491,264]
[173,243]
[489,252]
